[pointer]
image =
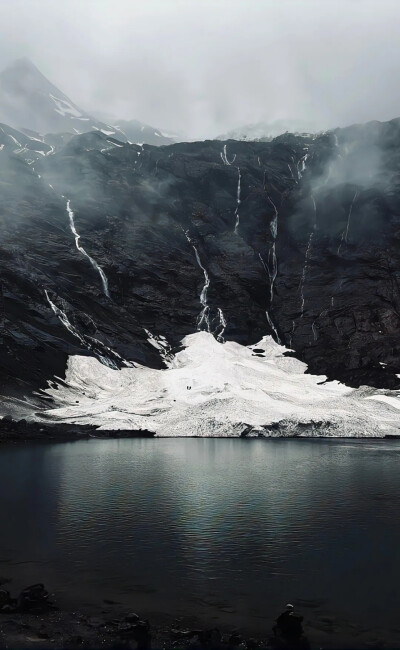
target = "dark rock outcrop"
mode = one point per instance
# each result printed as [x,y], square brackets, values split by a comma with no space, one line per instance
[299,237]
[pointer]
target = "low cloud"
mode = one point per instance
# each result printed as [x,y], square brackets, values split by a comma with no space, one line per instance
[202,68]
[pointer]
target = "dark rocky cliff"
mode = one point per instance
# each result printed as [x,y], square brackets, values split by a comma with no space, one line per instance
[305,248]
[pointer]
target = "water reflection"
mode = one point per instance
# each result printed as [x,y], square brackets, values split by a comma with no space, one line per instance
[241,523]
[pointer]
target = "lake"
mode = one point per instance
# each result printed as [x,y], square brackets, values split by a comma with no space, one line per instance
[220,527]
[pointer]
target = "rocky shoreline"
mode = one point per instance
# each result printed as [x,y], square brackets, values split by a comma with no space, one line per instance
[37,621]
[13,431]
[22,431]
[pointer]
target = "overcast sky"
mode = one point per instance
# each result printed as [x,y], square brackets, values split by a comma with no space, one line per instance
[202,67]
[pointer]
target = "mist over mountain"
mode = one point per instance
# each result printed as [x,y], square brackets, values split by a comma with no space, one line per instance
[29,101]
[123,246]
[117,252]
[268,131]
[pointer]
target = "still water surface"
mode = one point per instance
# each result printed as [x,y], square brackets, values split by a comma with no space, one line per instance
[233,525]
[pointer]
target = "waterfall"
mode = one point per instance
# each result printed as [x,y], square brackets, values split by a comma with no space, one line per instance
[314,331]
[304,273]
[271,268]
[346,230]
[274,223]
[272,326]
[204,314]
[62,316]
[104,354]
[237,202]
[93,262]
[302,169]
[222,325]
[224,157]
[291,173]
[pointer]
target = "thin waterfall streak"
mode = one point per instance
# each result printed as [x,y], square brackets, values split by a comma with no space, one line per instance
[270,273]
[272,326]
[222,325]
[204,314]
[315,210]
[349,215]
[346,230]
[83,252]
[292,333]
[302,169]
[314,331]
[63,318]
[291,173]
[274,222]
[237,202]
[274,267]
[304,274]
[224,157]
[99,349]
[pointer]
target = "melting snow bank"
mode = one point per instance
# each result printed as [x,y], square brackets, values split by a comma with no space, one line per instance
[214,389]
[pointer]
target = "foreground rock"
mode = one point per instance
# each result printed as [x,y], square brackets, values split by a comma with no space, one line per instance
[24,430]
[35,621]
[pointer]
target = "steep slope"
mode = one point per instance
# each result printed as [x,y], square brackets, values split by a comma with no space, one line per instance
[138,132]
[30,101]
[133,248]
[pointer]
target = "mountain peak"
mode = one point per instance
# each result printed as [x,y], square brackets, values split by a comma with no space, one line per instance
[21,66]
[28,100]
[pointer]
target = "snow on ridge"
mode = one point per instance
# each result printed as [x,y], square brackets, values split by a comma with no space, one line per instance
[64,108]
[215,389]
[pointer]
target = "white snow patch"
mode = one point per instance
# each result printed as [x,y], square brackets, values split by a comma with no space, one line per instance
[64,108]
[387,399]
[14,140]
[215,389]
[169,135]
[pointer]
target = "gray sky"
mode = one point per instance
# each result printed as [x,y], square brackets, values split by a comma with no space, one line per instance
[202,67]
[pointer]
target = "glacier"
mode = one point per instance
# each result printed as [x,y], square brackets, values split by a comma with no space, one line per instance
[220,389]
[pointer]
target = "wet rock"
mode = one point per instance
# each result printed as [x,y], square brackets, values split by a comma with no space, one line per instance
[138,631]
[34,596]
[131,214]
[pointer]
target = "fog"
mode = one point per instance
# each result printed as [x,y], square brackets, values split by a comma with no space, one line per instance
[202,67]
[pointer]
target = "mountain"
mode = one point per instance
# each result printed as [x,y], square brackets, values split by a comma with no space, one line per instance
[29,101]
[140,133]
[268,130]
[119,260]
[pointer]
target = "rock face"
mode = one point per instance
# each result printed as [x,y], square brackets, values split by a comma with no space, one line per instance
[119,251]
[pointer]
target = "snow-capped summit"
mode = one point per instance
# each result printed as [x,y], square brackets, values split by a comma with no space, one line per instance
[29,101]
[266,131]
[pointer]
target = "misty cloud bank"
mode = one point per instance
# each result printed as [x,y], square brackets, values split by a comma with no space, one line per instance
[202,68]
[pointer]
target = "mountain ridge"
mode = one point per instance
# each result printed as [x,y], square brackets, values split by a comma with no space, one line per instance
[28,100]
[296,238]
